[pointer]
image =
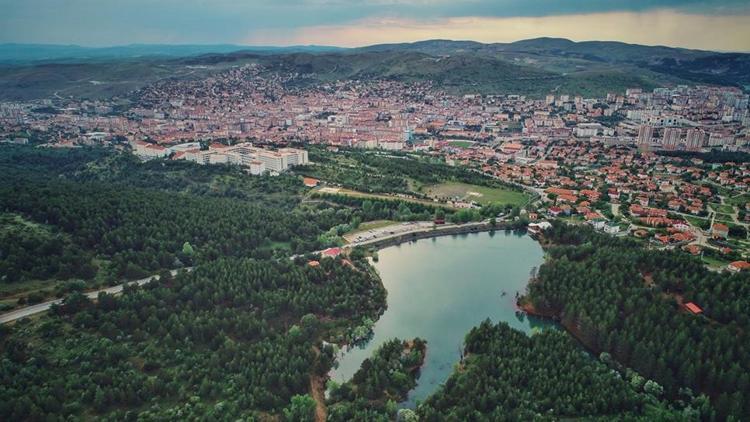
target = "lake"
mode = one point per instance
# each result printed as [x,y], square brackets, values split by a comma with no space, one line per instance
[438,289]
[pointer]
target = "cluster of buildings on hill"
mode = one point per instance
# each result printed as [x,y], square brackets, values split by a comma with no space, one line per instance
[600,152]
[255,160]
[247,103]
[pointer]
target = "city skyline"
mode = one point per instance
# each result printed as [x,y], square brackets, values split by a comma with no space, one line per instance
[724,25]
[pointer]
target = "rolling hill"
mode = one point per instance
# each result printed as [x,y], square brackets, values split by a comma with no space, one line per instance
[532,67]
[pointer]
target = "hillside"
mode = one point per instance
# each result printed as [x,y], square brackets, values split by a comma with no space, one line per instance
[530,67]
[655,63]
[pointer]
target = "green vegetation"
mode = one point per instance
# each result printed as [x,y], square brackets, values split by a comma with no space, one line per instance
[392,173]
[722,208]
[461,144]
[739,200]
[90,215]
[475,193]
[328,191]
[714,156]
[714,262]
[232,339]
[245,334]
[508,376]
[701,223]
[37,251]
[87,79]
[382,380]
[597,286]
[367,209]
[530,67]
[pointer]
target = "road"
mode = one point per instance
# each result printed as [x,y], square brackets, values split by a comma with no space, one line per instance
[44,306]
[419,227]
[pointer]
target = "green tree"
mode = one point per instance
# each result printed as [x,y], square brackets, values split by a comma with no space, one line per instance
[187,249]
[300,409]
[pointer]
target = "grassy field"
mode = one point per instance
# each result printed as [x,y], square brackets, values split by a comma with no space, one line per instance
[724,218]
[698,222]
[461,144]
[480,194]
[739,200]
[724,209]
[714,262]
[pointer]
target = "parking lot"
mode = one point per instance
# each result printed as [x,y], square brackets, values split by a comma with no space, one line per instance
[379,233]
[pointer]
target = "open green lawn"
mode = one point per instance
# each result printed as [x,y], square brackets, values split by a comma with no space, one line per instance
[480,194]
[725,209]
[739,200]
[698,222]
[714,262]
[724,218]
[461,144]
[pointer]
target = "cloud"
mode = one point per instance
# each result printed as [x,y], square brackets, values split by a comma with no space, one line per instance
[107,22]
[656,27]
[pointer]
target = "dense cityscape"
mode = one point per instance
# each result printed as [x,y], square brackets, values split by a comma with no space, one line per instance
[637,149]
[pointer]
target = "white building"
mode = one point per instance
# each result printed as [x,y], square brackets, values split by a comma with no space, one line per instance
[694,139]
[645,134]
[257,160]
[587,130]
[671,137]
[256,167]
[148,151]
[391,145]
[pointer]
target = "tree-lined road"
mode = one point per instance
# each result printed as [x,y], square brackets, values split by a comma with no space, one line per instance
[44,306]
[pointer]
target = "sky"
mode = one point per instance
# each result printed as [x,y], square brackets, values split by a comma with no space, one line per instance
[722,25]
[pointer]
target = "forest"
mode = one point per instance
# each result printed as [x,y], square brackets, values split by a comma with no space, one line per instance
[618,297]
[367,209]
[248,332]
[381,382]
[235,338]
[506,375]
[99,216]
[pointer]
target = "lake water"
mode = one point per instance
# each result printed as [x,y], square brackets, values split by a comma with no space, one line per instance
[438,289]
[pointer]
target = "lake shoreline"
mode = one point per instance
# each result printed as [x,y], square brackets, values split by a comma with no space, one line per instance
[438,231]
[456,290]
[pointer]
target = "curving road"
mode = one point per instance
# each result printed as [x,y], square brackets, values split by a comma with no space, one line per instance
[44,306]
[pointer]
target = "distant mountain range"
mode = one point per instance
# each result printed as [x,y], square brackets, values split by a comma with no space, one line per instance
[532,67]
[30,53]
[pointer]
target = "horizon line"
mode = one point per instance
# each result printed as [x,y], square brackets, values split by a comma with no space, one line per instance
[287,46]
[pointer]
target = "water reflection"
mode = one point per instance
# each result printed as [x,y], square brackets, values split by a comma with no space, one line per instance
[438,289]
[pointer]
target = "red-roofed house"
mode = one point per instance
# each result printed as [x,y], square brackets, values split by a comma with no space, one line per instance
[331,252]
[738,266]
[693,308]
[719,230]
[310,182]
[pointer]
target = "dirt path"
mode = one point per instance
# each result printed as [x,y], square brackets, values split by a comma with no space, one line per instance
[317,391]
